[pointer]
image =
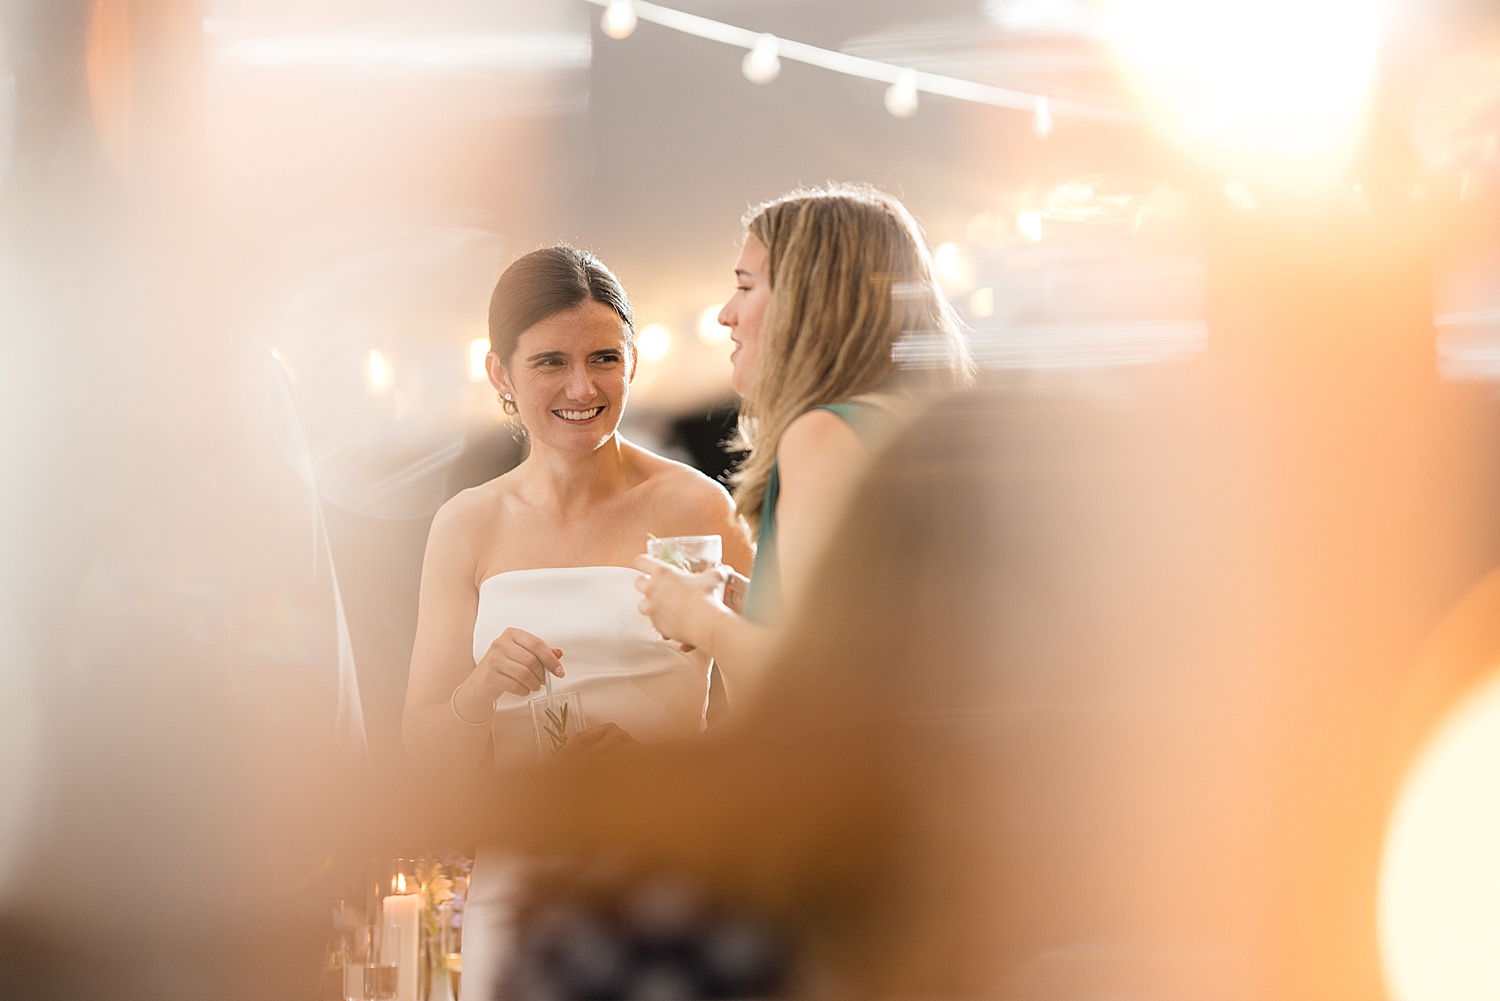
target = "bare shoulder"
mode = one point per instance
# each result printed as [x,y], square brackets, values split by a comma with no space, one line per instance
[680,492]
[469,514]
[817,437]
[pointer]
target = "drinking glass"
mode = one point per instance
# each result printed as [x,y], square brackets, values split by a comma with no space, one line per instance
[693,553]
[555,717]
[370,963]
[333,969]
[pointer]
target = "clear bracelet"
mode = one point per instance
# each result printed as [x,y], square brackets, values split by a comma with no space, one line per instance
[453,704]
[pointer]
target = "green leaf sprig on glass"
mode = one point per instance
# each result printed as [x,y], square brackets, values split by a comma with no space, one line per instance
[693,553]
[557,727]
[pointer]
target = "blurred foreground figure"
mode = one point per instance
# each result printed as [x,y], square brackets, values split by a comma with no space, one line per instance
[181,684]
[1061,717]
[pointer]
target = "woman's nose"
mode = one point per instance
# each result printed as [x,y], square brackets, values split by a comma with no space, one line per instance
[726,316]
[581,384]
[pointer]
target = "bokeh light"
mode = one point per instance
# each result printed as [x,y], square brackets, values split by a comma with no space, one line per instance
[479,350]
[618,20]
[762,64]
[901,96]
[382,376]
[1440,875]
[1029,225]
[1286,81]
[982,303]
[710,330]
[654,342]
[945,259]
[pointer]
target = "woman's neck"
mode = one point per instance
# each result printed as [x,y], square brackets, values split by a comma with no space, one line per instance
[568,481]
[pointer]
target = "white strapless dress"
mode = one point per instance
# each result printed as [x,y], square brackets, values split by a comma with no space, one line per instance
[624,673]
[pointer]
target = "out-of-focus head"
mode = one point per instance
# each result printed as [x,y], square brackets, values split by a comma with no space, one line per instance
[841,302]
[1005,631]
[562,346]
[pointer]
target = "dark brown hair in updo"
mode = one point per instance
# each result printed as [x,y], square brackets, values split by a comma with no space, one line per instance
[545,282]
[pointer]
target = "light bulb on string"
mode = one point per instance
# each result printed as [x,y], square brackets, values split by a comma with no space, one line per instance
[1041,122]
[618,19]
[901,96]
[762,64]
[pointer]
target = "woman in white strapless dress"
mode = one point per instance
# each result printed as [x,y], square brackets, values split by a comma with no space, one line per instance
[529,575]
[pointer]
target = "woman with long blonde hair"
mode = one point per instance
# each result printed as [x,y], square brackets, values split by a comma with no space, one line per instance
[838,324]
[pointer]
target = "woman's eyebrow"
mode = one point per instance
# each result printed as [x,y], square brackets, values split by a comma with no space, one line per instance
[742,273]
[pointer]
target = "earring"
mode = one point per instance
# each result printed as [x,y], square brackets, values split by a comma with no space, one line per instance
[502,397]
[507,396]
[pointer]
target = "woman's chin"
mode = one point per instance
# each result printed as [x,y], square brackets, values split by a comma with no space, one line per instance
[582,437]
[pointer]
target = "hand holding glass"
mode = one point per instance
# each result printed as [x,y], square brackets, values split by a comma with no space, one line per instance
[693,553]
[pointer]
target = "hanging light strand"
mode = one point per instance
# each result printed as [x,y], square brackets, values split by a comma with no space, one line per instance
[910,81]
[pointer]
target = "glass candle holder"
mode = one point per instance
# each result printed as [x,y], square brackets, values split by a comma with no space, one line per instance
[395,901]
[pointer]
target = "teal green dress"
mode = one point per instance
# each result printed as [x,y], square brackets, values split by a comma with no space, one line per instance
[763,596]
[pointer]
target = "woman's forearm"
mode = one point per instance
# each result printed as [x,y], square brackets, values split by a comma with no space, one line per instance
[435,737]
[741,649]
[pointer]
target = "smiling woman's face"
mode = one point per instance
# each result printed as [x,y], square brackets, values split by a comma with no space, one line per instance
[569,377]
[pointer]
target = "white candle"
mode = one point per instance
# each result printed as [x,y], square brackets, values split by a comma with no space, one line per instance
[401,911]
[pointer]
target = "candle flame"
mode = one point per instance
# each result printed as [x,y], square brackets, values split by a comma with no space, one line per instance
[399,883]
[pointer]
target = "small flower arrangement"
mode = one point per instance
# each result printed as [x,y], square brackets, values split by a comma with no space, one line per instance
[444,888]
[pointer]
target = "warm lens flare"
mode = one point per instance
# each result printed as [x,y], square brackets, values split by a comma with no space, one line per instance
[1283,81]
[1440,877]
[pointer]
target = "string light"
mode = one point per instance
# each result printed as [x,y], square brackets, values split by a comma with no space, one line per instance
[710,330]
[901,96]
[655,341]
[904,83]
[618,19]
[479,349]
[762,64]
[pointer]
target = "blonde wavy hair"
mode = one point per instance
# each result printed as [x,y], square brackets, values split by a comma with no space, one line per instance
[854,311]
